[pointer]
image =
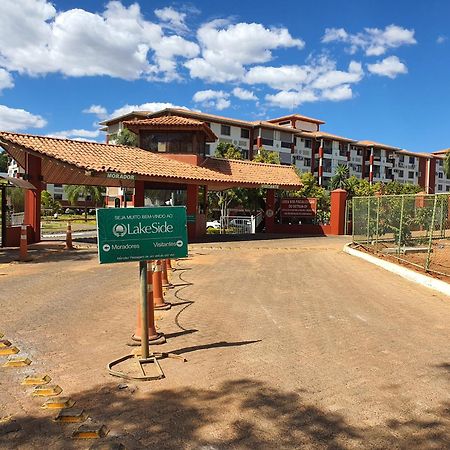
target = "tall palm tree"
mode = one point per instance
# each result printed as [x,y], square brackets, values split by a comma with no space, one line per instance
[75,191]
[340,177]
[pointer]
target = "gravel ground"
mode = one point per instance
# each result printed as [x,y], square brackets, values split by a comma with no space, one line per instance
[290,344]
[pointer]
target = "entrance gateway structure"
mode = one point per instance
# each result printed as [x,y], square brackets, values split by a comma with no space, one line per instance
[62,161]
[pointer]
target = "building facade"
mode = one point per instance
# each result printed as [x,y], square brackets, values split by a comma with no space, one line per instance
[300,141]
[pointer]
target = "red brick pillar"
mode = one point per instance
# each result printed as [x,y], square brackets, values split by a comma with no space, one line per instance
[337,220]
[138,197]
[33,196]
[191,209]
[270,210]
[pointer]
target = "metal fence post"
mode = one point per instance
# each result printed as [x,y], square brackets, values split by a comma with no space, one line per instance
[353,219]
[400,229]
[368,219]
[378,219]
[441,224]
[430,242]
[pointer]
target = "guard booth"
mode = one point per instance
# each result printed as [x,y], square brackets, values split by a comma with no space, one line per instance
[63,161]
[10,232]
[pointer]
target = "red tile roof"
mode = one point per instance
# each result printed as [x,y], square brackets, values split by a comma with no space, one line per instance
[171,123]
[102,158]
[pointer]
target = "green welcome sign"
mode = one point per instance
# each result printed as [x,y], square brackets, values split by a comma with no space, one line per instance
[141,234]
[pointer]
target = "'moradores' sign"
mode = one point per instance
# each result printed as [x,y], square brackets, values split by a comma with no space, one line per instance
[140,234]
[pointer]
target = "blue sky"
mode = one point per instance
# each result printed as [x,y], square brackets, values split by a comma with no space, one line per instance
[371,70]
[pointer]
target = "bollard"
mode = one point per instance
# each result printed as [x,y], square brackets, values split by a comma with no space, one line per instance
[69,245]
[165,279]
[158,297]
[23,243]
[153,336]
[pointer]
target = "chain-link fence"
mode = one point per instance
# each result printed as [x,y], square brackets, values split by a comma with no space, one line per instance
[413,229]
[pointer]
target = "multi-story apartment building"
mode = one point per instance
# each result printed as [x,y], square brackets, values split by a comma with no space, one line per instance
[300,141]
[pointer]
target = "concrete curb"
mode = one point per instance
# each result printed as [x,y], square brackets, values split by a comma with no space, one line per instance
[410,275]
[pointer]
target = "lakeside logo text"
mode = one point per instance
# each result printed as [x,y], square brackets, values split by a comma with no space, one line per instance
[120,229]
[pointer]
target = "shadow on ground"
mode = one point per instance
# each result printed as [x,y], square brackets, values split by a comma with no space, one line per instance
[239,414]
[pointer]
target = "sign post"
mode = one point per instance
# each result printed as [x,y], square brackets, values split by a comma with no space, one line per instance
[141,234]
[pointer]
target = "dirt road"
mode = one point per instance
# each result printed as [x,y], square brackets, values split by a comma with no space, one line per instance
[290,344]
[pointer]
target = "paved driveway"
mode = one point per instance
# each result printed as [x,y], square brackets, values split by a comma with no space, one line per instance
[290,344]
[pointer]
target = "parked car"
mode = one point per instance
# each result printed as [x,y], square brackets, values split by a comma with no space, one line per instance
[243,225]
[213,224]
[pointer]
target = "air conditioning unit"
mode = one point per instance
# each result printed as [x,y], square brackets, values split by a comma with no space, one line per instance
[277,145]
[235,142]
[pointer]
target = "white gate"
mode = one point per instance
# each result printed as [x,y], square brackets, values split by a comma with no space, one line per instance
[240,224]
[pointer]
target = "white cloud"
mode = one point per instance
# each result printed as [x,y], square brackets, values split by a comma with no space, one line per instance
[98,110]
[172,19]
[283,77]
[244,94]
[441,39]
[151,107]
[6,80]
[118,42]
[212,99]
[338,93]
[388,67]
[335,78]
[12,119]
[291,99]
[373,41]
[79,134]
[227,48]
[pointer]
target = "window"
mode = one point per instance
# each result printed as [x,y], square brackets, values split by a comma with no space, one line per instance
[308,143]
[57,196]
[286,122]
[412,160]
[401,158]
[58,185]
[207,149]
[411,175]
[439,187]
[225,130]
[286,144]
[447,188]
[440,175]
[245,134]
[401,173]
[307,162]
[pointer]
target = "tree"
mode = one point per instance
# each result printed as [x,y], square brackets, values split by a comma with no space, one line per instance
[340,177]
[227,151]
[74,192]
[4,162]
[447,165]
[49,203]
[126,137]
[223,199]
[267,156]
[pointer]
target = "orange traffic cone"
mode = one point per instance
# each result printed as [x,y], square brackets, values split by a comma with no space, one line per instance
[69,245]
[153,336]
[158,297]
[165,279]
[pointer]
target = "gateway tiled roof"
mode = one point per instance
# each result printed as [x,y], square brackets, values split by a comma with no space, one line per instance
[173,123]
[244,171]
[97,157]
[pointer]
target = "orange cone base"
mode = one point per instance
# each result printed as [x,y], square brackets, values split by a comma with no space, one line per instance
[156,339]
[163,306]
